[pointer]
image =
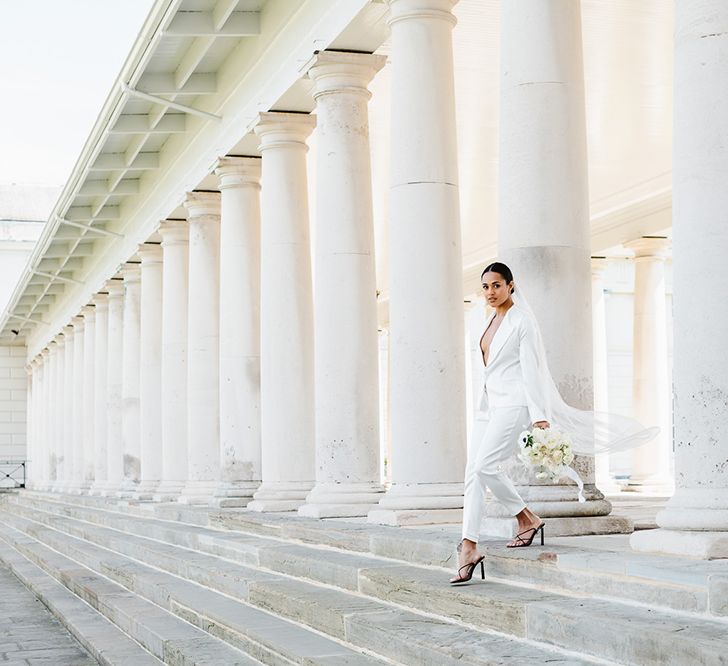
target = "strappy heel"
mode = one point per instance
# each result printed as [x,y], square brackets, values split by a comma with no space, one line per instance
[522,543]
[469,569]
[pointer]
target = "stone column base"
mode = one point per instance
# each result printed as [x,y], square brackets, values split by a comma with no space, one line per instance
[419,504]
[280,496]
[127,488]
[110,489]
[341,500]
[197,492]
[168,491]
[702,545]
[146,490]
[234,494]
[97,488]
[507,528]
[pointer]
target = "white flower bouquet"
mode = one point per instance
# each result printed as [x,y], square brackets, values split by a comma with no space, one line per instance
[549,452]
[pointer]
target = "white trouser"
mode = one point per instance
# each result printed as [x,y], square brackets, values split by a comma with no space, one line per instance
[494,440]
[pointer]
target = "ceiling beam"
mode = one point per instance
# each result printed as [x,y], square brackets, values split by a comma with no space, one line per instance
[173,105]
[190,60]
[102,188]
[54,278]
[141,124]
[210,24]
[117,161]
[83,213]
[92,229]
[164,84]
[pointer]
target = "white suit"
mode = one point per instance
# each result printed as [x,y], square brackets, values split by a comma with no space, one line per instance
[512,399]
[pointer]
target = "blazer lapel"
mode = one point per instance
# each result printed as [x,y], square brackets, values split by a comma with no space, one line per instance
[499,339]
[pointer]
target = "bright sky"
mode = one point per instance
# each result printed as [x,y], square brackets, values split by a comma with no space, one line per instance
[58,62]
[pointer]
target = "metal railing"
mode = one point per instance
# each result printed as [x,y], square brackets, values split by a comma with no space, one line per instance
[12,470]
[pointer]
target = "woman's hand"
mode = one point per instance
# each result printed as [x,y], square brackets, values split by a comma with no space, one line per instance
[541,424]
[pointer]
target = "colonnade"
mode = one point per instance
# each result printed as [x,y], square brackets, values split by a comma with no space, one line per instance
[220,372]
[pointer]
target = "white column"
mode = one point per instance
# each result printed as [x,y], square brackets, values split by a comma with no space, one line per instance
[347,398]
[150,380]
[203,404]
[58,414]
[115,351]
[175,253]
[651,392]
[695,522]
[42,451]
[240,450]
[600,362]
[42,454]
[130,371]
[66,468]
[31,428]
[100,460]
[88,415]
[78,403]
[286,316]
[544,233]
[426,293]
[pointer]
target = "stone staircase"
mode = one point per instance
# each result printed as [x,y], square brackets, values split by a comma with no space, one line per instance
[144,583]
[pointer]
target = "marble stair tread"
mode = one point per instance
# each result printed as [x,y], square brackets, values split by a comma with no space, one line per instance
[169,638]
[324,609]
[264,636]
[414,639]
[401,635]
[674,584]
[108,644]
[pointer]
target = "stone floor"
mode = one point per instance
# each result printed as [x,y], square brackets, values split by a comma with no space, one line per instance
[29,634]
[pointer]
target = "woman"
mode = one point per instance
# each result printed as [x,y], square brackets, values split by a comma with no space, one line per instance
[520,392]
[514,399]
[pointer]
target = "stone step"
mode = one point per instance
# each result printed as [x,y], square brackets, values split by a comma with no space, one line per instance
[169,638]
[269,639]
[325,609]
[104,641]
[519,611]
[660,582]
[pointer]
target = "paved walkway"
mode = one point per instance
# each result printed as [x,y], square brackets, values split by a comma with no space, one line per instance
[29,634]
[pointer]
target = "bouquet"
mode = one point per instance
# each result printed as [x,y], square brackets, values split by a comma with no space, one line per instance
[550,452]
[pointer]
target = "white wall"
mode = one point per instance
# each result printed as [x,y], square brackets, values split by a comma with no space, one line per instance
[13,406]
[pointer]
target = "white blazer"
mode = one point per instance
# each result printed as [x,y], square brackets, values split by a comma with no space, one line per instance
[512,378]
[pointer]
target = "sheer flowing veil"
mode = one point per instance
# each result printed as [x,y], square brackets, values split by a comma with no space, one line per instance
[591,432]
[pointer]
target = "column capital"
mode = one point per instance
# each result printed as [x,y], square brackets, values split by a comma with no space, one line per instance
[77,323]
[202,204]
[131,272]
[238,172]
[59,341]
[67,331]
[88,311]
[341,72]
[277,129]
[650,247]
[150,253]
[45,353]
[400,10]
[100,300]
[115,287]
[174,232]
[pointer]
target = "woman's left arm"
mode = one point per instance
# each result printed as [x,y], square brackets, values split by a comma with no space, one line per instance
[538,408]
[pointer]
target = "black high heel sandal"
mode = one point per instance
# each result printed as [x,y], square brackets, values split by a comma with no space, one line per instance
[470,568]
[527,542]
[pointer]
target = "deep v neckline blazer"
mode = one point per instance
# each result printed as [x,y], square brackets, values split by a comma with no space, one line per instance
[512,377]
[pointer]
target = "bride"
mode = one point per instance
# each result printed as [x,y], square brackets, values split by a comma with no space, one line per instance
[519,392]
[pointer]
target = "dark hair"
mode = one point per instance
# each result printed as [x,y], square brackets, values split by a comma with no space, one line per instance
[501,269]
